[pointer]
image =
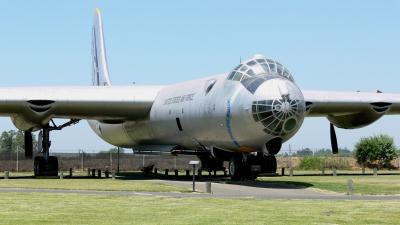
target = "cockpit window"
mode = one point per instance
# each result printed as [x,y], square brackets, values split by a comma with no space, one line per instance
[272,67]
[244,68]
[261,68]
[251,63]
[209,85]
[238,76]
[251,72]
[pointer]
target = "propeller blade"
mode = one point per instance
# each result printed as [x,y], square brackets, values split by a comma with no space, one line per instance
[28,145]
[334,144]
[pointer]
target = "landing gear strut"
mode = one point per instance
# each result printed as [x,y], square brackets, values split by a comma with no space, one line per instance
[45,165]
[248,166]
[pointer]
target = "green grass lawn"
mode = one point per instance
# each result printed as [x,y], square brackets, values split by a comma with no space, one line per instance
[91,184]
[374,185]
[41,208]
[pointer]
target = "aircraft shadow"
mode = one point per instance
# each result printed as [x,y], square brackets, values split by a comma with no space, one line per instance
[217,179]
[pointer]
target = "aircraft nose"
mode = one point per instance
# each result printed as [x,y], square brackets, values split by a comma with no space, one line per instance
[279,106]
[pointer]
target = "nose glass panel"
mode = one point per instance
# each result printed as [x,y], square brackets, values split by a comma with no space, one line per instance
[253,72]
[279,116]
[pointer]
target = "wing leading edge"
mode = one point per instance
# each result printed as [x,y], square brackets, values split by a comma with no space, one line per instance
[37,105]
[324,103]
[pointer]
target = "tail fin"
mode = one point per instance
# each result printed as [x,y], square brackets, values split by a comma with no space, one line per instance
[100,76]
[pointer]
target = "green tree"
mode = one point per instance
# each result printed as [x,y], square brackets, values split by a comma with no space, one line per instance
[12,140]
[304,152]
[6,141]
[378,150]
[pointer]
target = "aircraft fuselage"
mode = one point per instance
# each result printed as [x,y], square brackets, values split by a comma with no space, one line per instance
[214,112]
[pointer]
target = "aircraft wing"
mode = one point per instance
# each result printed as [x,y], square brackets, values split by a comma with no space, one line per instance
[328,103]
[37,105]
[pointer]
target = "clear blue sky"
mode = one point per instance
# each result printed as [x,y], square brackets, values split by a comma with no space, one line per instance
[327,45]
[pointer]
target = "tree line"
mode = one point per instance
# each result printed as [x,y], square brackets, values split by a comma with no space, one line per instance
[13,141]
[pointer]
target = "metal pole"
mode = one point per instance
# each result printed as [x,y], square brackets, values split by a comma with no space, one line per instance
[290,156]
[118,161]
[83,154]
[175,163]
[111,159]
[194,176]
[17,159]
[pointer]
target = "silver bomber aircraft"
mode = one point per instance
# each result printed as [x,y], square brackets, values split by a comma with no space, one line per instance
[242,116]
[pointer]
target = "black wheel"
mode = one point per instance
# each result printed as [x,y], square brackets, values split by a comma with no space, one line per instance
[43,169]
[269,164]
[236,168]
[39,166]
[52,166]
[28,145]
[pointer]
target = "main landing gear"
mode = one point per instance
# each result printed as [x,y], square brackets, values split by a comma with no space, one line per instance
[249,166]
[45,165]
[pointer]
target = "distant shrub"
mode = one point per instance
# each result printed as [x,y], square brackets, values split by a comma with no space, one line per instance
[311,163]
[374,151]
[341,163]
[317,163]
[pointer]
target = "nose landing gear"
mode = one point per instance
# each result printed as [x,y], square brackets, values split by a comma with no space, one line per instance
[249,166]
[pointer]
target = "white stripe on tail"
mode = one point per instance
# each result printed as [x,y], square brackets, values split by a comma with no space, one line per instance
[100,75]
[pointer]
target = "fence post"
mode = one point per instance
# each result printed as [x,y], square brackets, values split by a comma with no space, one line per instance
[208,187]
[291,172]
[155,171]
[283,171]
[70,172]
[88,172]
[61,175]
[6,174]
[99,173]
[375,171]
[350,188]
[166,172]
[334,172]
[199,173]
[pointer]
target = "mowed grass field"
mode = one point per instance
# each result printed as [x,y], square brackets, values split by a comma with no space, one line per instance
[80,181]
[92,184]
[42,208]
[363,184]
[371,185]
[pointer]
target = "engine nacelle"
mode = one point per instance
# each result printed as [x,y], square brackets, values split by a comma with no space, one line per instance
[356,120]
[25,124]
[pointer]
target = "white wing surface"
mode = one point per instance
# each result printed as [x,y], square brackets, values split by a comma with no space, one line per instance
[37,105]
[351,109]
[323,103]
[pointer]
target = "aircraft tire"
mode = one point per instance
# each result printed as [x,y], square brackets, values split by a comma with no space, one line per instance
[39,166]
[270,164]
[43,169]
[236,168]
[52,166]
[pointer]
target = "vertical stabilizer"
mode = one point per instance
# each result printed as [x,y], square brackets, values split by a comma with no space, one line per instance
[100,76]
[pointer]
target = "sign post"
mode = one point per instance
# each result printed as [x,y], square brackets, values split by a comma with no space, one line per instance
[194,163]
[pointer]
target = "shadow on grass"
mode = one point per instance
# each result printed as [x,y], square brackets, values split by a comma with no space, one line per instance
[273,184]
[216,179]
[138,175]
